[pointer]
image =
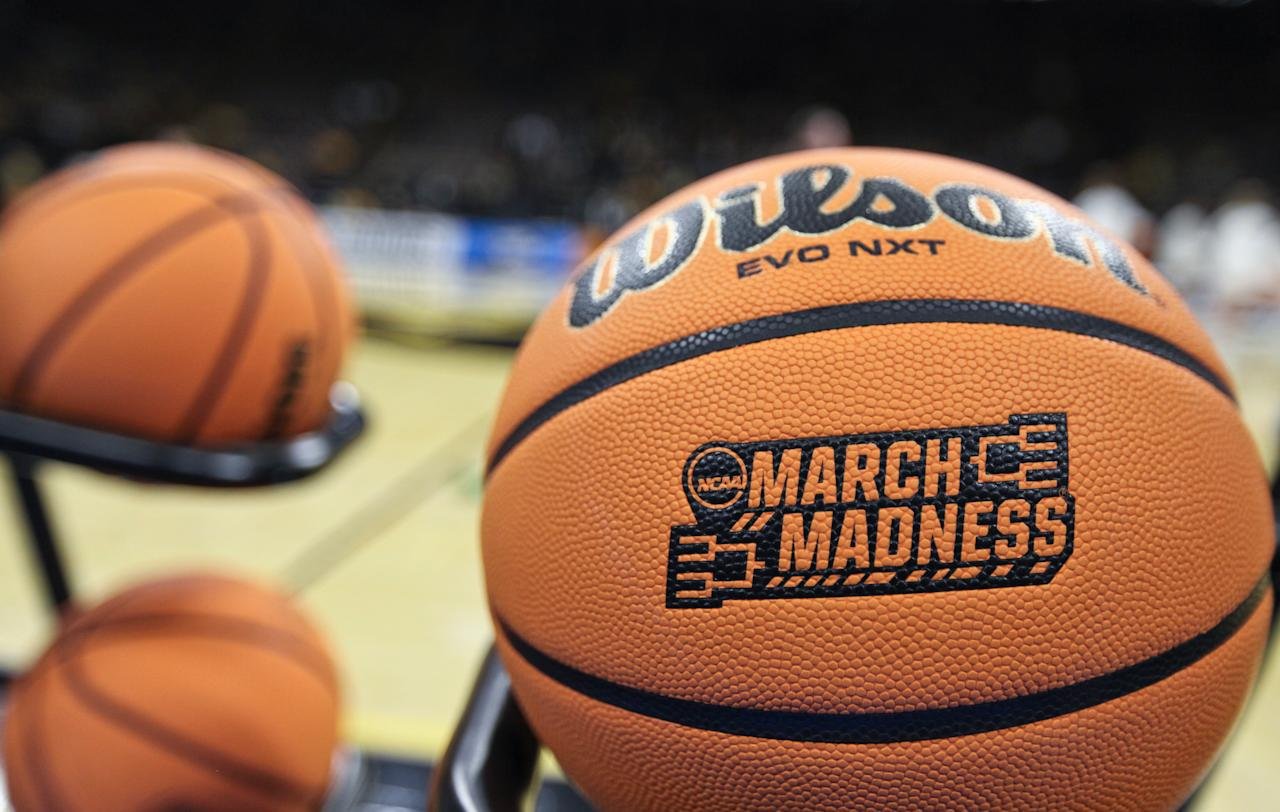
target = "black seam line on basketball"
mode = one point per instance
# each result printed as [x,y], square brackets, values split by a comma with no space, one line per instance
[290,223]
[117,273]
[246,775]
[277,641]
[246,317]
[260,270]
[108,185]
[898,726]
[293,222]
[41,767]
[169,181]
[339,327]
[854,314]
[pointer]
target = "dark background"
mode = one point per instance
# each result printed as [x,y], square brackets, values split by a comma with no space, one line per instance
[591,111]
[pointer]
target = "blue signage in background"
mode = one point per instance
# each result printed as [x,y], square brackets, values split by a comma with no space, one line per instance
[441,273]
[546,248]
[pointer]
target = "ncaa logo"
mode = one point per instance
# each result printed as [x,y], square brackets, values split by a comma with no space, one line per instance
[716,477]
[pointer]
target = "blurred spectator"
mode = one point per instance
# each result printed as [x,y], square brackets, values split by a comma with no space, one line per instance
[819,127]
[1109,203]
[349,108]
[19,168]
[1244,249]
[1182,247]
[222,125]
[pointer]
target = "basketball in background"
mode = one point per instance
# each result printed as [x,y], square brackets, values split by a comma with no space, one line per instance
[198,693]
[873,478]
[170,292]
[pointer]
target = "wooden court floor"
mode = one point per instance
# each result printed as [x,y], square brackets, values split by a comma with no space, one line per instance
[381,549]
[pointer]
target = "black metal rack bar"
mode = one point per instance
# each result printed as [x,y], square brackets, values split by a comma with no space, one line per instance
[29,441]
[490,761]
[44,548]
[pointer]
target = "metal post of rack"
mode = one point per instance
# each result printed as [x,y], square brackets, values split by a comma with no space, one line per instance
[43,543]
[29,442]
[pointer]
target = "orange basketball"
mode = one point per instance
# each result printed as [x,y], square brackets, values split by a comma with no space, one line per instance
[199,693]
[170,292]
[871,478]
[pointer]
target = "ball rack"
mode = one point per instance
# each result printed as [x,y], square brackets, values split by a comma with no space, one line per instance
[29,441]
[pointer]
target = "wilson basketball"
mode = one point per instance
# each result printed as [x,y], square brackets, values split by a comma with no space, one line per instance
[199,693]
[170,292]
[866,477]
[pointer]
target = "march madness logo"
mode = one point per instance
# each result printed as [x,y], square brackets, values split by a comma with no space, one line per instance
[871,514]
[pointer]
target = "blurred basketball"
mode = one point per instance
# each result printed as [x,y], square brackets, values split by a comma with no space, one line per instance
[878,475]
[170,292]
[195,693]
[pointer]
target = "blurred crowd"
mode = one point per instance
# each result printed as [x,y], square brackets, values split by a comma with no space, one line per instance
[1225,256]
[514,112]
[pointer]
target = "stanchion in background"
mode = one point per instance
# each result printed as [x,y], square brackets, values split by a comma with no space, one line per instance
[491,758]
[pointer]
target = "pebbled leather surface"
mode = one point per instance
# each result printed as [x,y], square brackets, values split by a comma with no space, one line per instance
[1145,751]
[1172,522]
[707,293]
[173,293]
[195,692]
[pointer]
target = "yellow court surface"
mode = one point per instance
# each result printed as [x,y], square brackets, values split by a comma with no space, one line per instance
[382,550]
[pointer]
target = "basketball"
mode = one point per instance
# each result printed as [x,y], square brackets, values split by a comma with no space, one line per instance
[170,292]
[878,478]
[198,693]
